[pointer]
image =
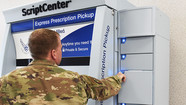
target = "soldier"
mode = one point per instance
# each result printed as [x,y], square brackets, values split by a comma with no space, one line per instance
[42,82]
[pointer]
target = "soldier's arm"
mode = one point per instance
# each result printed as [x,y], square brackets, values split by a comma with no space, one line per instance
[101,89]
[1,91]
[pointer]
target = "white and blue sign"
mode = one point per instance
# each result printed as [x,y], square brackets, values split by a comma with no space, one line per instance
[75,38]
[78,43]
[64,19]
[57,20]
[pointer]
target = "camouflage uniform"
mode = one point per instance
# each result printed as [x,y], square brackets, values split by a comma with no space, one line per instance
[44,83]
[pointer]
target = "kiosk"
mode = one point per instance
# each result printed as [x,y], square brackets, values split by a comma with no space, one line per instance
[99,38]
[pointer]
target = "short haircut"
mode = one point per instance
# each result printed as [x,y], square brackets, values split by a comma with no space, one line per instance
[41,41]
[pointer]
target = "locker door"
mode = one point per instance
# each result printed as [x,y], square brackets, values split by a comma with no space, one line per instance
[137,89]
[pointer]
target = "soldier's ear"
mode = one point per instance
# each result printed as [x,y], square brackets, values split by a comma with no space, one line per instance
[53,54]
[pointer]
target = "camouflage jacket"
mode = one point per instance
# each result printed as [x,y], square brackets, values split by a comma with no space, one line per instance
[44,83]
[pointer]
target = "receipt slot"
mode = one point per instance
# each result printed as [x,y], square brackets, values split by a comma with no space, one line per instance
[99,38]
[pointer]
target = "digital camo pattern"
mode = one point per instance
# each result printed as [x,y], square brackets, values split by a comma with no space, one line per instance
[43,83]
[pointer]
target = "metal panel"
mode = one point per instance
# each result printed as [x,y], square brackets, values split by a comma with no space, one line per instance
[137,89]
[137,45]
[136,22]
[102,50]
[162,24]
[137,62]
[161,71]
[8,54]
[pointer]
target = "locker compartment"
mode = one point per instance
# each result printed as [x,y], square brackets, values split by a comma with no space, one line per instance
[137,62]
[137,89]
[136,22]
[137,45]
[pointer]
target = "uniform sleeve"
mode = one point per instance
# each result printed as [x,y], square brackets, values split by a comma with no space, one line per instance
[101,89]
[2,94]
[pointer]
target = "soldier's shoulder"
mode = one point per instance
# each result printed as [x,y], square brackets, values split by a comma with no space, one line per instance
[56,69]
[72,73]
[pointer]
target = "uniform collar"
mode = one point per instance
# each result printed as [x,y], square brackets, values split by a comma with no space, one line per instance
[42,62]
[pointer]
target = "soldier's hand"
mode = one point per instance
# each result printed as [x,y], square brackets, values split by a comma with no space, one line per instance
[122,76]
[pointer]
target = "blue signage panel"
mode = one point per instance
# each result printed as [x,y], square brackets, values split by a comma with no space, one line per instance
[78,43]
[63,19]
[22,26]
